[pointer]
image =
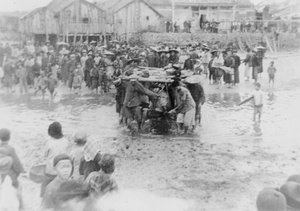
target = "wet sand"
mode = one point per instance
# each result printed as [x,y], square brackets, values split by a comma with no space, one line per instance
[222,167]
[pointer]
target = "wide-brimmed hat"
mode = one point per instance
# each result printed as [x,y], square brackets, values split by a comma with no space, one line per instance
[92,42]
[173,50]
[291,191]
[194,79]
[133,60]
[214,49]
[64,51]
[109,53]
[90,53]
[270,199]
[205,48]
[83,51]
[260,47]
[114,41]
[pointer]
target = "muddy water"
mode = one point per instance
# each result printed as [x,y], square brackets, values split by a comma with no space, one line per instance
[230,158]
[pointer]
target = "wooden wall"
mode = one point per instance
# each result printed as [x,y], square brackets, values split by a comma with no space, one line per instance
[124,19]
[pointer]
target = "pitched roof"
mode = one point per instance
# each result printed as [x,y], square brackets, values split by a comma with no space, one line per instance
[123,3]
[57,5]
[32,12]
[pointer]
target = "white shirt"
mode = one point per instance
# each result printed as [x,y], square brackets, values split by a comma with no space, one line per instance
[258,97]
[54,147]
[218,61]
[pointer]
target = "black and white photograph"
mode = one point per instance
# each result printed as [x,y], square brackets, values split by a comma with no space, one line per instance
[149,105]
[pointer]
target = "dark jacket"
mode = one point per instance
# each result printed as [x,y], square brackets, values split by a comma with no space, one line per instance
[237,61]
[188,64]
[134,92]
[163,61]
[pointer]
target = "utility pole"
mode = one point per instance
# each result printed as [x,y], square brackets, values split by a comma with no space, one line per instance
[173,11]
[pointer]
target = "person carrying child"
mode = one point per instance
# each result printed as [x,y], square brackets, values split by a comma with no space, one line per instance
[10,164]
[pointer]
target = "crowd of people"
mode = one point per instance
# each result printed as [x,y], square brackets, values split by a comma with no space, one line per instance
[97,66]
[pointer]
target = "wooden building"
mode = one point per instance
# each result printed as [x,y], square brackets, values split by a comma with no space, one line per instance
[64,20]
[132,16]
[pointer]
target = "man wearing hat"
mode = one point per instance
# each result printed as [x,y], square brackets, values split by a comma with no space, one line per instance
[133,100]
[188,64]
[89,64]
[173,56]
[205,59]
[163,60]
[152,59]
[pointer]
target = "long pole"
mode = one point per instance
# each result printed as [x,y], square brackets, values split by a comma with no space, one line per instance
[173,11]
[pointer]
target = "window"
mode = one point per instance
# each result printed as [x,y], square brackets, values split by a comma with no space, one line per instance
[226,8]
[195,8]
[85,20]
[203,8]
[214,8]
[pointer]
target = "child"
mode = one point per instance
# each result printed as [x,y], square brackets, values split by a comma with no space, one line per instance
[77,153]
[14,165]
[271,72]
[42,83]
[63,166]
[258,102]
[52,84]
[258,99]
[77,81]
[101,182]
[56,144]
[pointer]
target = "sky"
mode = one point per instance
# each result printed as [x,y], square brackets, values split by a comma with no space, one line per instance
[28,5]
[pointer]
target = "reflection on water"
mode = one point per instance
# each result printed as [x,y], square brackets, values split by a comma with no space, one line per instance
[222,120]
[89,113]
